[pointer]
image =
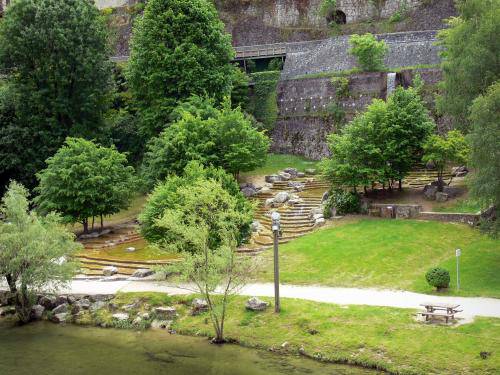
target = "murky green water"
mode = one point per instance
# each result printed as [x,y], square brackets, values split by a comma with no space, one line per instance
[45,348]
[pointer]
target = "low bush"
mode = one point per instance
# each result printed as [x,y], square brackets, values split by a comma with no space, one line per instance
[438,278]
[345,202]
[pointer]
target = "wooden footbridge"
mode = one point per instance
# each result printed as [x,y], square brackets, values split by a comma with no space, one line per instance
[260,51]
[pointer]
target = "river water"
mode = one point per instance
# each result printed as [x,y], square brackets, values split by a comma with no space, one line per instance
[46,348]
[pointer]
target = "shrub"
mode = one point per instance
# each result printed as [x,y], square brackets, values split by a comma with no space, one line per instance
[368,51]
[345,202]
[275,64]
[438,277]
[341,85]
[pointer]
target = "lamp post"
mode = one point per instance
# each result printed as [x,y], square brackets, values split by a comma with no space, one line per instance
[275,216]
[458,253]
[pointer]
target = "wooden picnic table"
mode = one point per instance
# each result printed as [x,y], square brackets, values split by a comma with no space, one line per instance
[433,308]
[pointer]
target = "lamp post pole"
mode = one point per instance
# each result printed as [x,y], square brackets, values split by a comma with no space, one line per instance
[275,216]
[458,253]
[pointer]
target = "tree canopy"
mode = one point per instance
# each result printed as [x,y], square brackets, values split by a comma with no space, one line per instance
[369,51]
[470,57]
[178,48]
[84,180]
[56,58]
[169,195]
[34,250]
[442,150]
[380,144]
[485,141]
[227,140]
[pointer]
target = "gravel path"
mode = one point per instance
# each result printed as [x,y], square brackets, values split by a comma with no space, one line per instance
[472,306]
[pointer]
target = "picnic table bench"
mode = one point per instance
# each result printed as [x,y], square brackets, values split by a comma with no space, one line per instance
[437,309]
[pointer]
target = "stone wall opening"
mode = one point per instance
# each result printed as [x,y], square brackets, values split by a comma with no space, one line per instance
[336,16]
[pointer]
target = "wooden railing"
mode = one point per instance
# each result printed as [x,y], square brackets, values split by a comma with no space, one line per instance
[264,50]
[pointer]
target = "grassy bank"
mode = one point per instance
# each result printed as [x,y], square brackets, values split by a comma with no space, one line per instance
[390,254]
[278,162]
[385,338]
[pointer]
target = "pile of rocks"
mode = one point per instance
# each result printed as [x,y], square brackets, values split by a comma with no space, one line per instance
[317,214]
[289,174]
[256,304]
[431,192]
[282,198]
[250,190]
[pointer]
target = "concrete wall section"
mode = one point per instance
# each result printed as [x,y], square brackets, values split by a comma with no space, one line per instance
[405,49]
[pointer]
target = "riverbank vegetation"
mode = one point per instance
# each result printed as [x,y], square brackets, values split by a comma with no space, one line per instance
[378,337]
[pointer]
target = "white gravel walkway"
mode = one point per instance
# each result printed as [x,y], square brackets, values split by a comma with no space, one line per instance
[472,306]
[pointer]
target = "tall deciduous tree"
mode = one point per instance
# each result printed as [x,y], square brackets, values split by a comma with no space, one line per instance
[381,144]
[178,48]
[485,143]
[35,251]
[167,196]
[56,57]
[84,180]
[442,150]
[470,57]
[206,211]
[226,140]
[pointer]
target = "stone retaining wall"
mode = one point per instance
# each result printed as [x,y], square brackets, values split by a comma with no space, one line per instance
[471,219]
[405,49]
[303,123]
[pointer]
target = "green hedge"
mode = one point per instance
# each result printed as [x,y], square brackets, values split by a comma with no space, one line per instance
[263,105]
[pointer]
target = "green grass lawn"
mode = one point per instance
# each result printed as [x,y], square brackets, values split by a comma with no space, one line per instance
[278,162]
[460,205]
[385,338]
[390,254]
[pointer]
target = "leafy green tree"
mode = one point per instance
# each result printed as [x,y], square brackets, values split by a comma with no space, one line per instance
[357,158]
[369,51]
[404,129]
[442,150]
[56,58]
[485,140]
[227,140]
[84,180]
[206,211]
[35,251]
[470,57]
[166,195]
[178,48]
[381,144]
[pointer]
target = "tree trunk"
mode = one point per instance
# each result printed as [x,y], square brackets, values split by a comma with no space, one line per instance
[93,220]
[102,224]
[11,282]
[440,181]
[23,305]
[85,223]
[400,185]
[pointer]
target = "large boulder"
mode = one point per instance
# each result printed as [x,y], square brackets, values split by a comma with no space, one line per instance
[296,185]
[166,312]
[301,175]
[459,171]
[98,305]
[281,197]
[256,226]
[452,191]
[109,270]
[120,317]
[249,190]
[60,318]
[198,306]
[142,272]
[37,312]
[265,190]
[272,178]
[430,191]
[284,176]
[430,165]
[441,197]
[291,171]
[63,308]
[83,304]
[310,171]
[269,202]
[256,304]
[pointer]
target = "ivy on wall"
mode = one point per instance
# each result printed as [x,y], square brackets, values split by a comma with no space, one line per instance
[263,105]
